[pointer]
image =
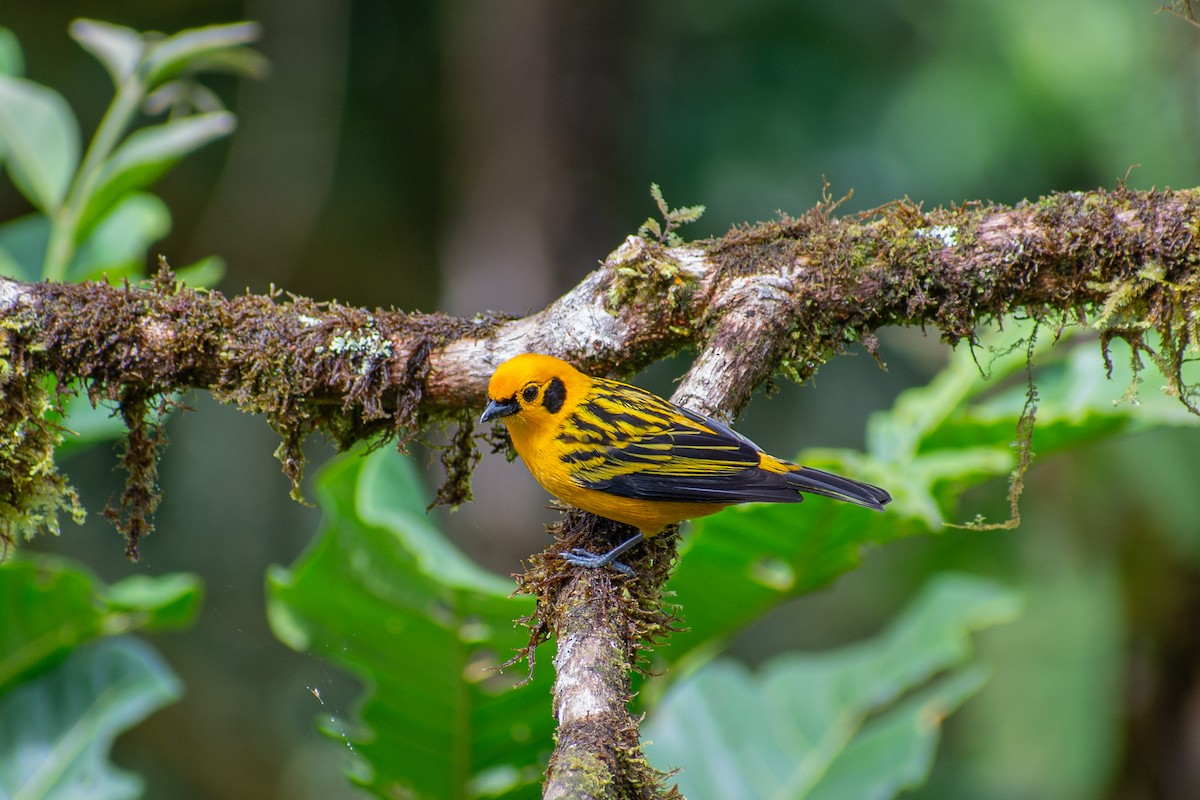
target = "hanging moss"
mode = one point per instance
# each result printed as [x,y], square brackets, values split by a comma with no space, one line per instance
[133,514]
[1122,261]
[308,367]
[33,493]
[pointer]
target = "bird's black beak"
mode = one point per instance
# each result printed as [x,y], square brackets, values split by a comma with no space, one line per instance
[500,408]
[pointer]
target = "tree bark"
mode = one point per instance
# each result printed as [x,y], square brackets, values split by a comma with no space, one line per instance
[782,296]
[816,282]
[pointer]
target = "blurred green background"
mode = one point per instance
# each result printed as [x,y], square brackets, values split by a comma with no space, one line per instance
[470,155]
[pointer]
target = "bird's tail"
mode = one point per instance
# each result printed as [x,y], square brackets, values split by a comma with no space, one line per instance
[815,481]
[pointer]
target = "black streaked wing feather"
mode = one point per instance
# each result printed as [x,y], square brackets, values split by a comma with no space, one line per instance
[631,443]
[747,486]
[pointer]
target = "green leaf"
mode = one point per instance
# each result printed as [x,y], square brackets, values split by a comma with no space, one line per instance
[12,61]
[140,601]
[39,139]
[146,154]
[206,272]
[58,730]
[120,242]
[23,246]
[972,407]
[45,611]
[894,751]
[936,440]
[1069,656]
[1077,404]
[88,424]
[817,725]
[384,595]
[48,607]
[686,214]
[188,49]
[118,48]
[240,61]
[736,565]
[659,200]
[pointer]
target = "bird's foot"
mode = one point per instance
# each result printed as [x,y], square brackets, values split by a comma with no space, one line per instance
[589,560]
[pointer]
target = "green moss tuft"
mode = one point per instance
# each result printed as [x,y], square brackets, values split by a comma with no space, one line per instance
[33,493]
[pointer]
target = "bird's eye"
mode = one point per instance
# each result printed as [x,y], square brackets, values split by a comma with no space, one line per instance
[530,394]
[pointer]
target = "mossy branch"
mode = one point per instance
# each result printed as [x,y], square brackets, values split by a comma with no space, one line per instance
[830,281]
[777,297]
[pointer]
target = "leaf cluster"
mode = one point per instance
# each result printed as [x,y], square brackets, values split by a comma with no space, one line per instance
[92,219]
[875,705]
[673,220]
[72,677]
[92,215]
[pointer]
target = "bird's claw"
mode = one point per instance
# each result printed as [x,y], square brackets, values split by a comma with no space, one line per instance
[589,560]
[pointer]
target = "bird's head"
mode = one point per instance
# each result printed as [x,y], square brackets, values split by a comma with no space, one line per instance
[533,388]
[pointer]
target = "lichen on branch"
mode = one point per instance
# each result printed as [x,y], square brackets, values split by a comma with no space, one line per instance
[780,297]
[776,298]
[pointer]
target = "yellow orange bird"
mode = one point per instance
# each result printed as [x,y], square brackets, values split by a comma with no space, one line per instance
[629,455]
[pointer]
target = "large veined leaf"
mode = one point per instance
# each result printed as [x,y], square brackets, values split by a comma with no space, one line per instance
[57,729]
[861,721]
[935,441]
[736,565]
[39,141]
[1050,722]
[383,594]
[49,606]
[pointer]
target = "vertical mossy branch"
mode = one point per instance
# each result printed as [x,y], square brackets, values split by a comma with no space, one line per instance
[779,297]
[602,622]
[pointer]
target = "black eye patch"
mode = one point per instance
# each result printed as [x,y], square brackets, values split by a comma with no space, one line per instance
[556,395]
[530,394]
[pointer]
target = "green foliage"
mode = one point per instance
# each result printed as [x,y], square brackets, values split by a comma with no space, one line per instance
[859,721]
[673,219]
[83,200]
[49,607]
[935,442]
[40,141]
[92,217]
[145,155]
[118,48]
[58,728]
[67,686]
[438,724]
[382,593]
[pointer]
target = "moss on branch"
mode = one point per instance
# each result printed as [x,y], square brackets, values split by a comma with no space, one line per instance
[778,297]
